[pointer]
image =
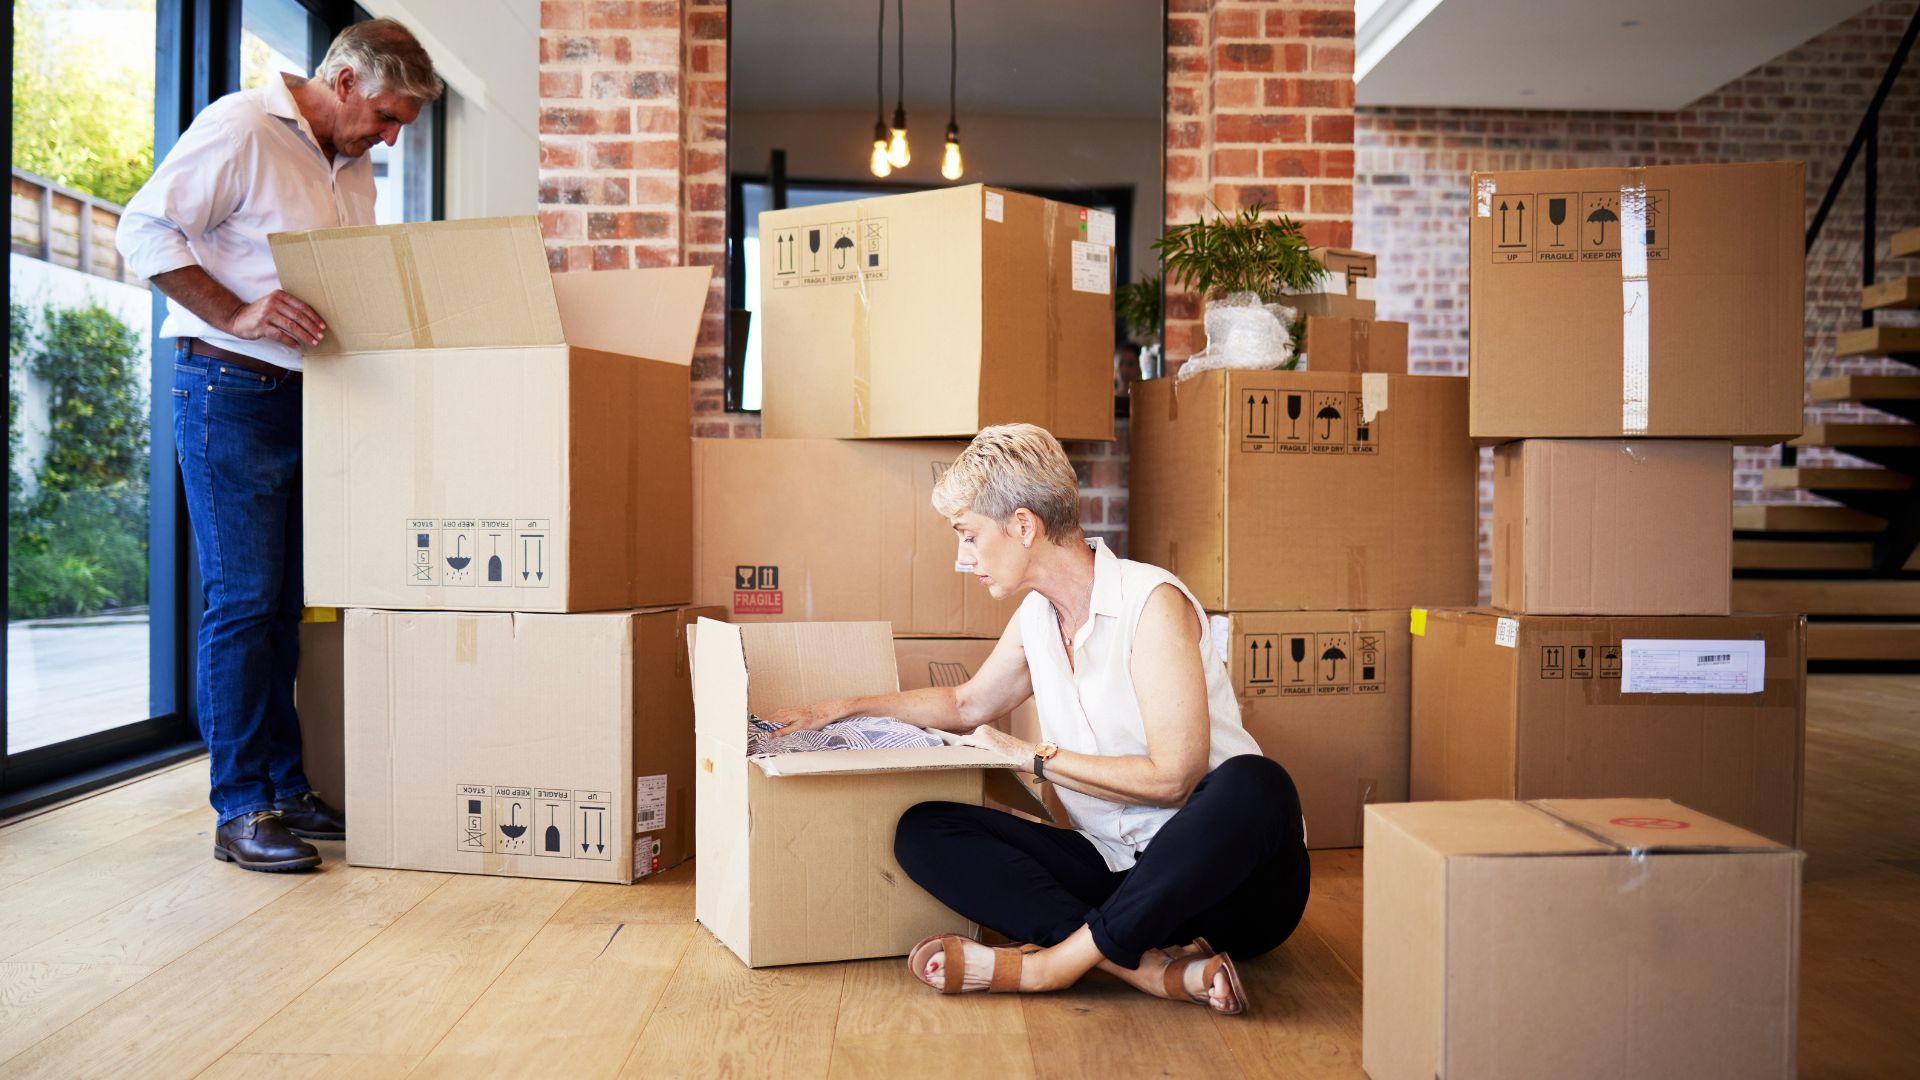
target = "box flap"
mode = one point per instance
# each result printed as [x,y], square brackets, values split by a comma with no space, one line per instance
[653,313]
[800,663]
[1654,825]
[846,762]
[719,688]
[435,284]
[1488,827]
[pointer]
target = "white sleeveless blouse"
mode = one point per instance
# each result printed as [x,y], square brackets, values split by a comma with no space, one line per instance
[1090,706]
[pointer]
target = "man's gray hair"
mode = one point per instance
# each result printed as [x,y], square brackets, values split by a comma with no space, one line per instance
[384,56]
[1009,467]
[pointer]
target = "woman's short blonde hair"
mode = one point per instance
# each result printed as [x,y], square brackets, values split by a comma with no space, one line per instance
[384,55]
[1009,467]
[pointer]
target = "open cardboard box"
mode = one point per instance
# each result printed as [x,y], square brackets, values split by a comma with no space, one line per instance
[480,435]
[796,850]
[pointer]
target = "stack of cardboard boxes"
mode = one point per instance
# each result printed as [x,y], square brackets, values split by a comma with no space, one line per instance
[496,488]
[1308,510]
[893,330]
[1628,326]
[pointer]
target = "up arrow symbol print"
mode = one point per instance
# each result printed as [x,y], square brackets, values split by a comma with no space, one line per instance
[1521,209]
[1503,221]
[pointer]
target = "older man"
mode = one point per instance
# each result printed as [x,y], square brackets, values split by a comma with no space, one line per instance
[288,156]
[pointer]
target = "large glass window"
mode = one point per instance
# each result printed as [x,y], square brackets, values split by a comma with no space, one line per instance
[78,372]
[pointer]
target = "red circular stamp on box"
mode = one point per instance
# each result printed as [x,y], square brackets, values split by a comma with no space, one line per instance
[1650,823]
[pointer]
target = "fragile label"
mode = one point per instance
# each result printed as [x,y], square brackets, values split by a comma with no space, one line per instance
[1100,227]
[1276,421]
[1506,632]
[1655,666]
[1577,226]
[649,803]
[480,552]
[756,591]
[996,206]
[828,254]
[552,823]
[1092,267]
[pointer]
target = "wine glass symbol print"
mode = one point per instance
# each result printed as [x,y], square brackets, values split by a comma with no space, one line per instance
[1556,216]
[813,246]
[1297,648]
[1293,417]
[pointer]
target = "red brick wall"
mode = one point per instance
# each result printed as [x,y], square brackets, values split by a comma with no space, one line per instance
[633,154]
[1411,192]
[1259,109]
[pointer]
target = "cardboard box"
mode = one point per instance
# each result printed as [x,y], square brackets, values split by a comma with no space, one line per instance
[1613,526]
[1346,291]
[540,746]
[796,850]
[1663,302]
[1365,499]
[1361,345]
[1603,937]
[480,436]
[1325,694]
[318,700]
[826,530]
[1542,707]
[935,314]
[925,662]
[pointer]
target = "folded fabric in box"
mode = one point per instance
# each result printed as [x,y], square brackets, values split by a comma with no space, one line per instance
[853,733]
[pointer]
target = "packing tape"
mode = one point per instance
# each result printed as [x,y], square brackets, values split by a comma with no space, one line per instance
[418,321]
[1049,221]
[466,642]
[1417,622]
[1483,197]
[1373,395]
[862,338]
[1635,307]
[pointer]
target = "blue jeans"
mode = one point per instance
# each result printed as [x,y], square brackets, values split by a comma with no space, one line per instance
[237,434]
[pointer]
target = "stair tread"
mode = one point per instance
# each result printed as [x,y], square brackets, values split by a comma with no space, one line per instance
[1802,478]
[1808,555]
[1905,243]
[1772,518]
[1844,435]
[1863,641]
[1815,597]
[1878,341]
[1860,388]
[1899,292]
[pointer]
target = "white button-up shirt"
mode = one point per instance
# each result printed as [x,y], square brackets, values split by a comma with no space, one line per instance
[247,166]
[1090,706]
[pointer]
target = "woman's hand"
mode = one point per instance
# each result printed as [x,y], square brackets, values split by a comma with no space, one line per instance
[994,741]
[804,717]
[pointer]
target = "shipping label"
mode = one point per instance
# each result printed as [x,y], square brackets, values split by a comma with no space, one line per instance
[1092,268]
[1578,226]
[1654,666]
[1276,421]
[480,552]
[1312,664]
[831,253]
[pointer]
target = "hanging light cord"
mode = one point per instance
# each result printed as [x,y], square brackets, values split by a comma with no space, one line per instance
[880,67]
[953,58]
[900,52]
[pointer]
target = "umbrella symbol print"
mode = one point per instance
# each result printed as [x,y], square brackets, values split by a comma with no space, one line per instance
[1329,414]
[1600,217]
[841,246]
[1333,655]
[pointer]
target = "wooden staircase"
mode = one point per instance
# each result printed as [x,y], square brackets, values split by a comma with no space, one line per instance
[1853,565]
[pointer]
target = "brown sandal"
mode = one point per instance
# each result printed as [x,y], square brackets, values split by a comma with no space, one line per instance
[1007,961]
[1174,981]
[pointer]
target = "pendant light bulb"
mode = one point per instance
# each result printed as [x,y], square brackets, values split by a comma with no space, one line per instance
[898,153]
[879,163]
[950,166]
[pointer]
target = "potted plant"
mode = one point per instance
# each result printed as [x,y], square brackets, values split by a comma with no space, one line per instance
[1138,305]
[1241,264]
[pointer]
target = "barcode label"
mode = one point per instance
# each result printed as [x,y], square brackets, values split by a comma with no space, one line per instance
[1716,658]
[649,803]
[1658,666]
[645,816]
[1092,268]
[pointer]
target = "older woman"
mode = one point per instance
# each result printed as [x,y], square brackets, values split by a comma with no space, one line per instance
[1185,839]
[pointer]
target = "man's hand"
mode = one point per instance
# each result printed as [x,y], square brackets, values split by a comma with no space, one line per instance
[804,717]
[280,317]
[993,740]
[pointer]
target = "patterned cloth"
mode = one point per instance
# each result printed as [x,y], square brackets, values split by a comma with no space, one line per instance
[853,733]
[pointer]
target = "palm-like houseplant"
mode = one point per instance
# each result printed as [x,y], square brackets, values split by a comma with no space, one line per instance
[1241,264]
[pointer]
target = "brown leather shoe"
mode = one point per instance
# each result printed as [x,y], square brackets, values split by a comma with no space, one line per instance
[310,817]
[258,841]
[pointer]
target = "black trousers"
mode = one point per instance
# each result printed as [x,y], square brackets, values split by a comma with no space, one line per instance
[1230,866]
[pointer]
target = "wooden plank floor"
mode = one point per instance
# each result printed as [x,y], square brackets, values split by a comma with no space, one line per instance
[125,950]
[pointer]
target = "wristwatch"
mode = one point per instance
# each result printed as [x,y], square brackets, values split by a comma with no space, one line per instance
[1042,754]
